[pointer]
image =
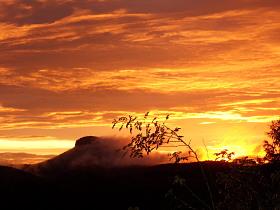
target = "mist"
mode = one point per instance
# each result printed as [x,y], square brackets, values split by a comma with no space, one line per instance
[91,152]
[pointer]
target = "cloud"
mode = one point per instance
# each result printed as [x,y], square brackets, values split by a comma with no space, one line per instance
[32,107]
[73,64]
[15,159]
[34,12]
[84,35]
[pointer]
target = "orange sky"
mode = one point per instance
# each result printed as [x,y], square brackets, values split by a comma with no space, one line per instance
[67,68]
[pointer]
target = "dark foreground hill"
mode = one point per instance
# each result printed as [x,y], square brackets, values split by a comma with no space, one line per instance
[146,187]
[61,183]
[19,188]
[100,188]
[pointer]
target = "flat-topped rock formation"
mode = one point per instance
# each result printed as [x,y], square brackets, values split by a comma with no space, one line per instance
[87,140]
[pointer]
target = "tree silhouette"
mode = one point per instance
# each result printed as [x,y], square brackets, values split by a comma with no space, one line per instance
[272,149]
[151,134]
[252,184]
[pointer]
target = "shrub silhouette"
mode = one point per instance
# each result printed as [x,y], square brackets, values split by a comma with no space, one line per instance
[224,155]
[246,185]
[150,135]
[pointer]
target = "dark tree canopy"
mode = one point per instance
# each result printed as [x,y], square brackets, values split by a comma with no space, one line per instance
[272,147]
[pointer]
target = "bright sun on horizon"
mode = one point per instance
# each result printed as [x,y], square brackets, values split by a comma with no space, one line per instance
[68,68]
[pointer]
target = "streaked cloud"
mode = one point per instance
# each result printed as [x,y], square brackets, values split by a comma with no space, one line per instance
[78,64]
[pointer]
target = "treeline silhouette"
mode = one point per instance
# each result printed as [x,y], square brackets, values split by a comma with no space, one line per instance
[188,183]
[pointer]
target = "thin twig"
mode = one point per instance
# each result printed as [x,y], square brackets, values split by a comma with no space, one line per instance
[201,168]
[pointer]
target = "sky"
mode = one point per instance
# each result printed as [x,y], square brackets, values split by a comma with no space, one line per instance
[68,68]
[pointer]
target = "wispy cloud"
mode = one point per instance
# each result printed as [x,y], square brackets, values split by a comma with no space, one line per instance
[74,64]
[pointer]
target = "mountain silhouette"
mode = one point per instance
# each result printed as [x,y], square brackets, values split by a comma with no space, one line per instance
[91,152]
[87,140]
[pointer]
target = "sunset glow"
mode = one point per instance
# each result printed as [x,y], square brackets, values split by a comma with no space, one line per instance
[68,68]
